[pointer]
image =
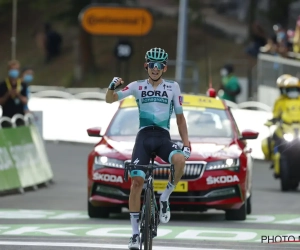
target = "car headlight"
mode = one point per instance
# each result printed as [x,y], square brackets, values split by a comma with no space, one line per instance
[103,161]
[288,137]
[223,164]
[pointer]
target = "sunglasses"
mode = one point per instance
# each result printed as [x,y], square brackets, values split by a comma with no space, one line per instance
[158,65]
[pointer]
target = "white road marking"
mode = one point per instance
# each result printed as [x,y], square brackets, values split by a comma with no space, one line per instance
[90,245]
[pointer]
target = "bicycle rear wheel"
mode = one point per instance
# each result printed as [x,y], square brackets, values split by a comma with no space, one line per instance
[147,233]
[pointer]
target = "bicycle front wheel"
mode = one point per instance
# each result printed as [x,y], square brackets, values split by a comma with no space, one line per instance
[147,234]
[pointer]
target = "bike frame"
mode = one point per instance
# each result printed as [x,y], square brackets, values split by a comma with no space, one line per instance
[149,179]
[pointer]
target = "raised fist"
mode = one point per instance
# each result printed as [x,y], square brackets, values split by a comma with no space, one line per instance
[115,83]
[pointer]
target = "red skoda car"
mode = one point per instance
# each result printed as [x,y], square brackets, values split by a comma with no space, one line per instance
[218,175]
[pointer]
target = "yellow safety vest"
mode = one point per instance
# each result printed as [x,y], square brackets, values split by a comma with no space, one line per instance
[9,86]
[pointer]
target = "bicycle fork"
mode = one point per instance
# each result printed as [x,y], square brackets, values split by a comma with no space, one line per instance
[154,217]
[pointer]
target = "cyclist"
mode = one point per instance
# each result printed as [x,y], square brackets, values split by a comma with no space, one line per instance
[156,99]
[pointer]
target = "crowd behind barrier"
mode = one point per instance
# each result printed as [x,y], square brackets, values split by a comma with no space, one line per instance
[23,159]
[267,71]
[66,116]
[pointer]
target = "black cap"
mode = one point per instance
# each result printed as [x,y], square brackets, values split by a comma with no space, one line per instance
[229,68]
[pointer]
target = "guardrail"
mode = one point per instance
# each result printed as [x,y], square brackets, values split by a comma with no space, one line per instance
[99,94]
[252,105]
[66,116]
[268,69]
[28,119]
[39,88]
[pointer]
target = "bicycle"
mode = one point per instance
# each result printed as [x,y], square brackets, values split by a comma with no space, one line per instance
[149,218]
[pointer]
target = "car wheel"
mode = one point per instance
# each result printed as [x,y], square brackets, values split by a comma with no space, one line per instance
[97,212]
[249,206]
[237,214]
[284,176]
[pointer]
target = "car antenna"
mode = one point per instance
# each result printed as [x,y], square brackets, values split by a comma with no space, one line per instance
[211,92]
[209,72]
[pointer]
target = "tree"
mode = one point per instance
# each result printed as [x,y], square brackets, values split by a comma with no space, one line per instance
[5,9]
[70,14]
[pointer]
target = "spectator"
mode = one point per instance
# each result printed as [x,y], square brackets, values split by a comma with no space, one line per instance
[230,87]
[13,93]
[278,43]
[27,78]
[281,40]
[53,41]
[259,39]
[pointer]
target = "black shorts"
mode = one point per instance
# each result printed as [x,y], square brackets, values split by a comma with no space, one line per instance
[152,139]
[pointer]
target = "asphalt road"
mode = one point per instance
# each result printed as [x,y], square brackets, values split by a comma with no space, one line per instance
[55,217]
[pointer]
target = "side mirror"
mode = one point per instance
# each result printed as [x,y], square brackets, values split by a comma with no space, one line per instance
[249,135]
[94,132]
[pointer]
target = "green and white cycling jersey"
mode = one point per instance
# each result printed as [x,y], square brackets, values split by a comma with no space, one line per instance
[155,106]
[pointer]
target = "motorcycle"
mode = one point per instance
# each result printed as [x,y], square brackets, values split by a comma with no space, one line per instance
[282,148]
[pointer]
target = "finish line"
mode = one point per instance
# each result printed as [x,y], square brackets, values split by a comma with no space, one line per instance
[90,245]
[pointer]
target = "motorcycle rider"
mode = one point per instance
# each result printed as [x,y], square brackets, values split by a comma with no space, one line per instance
[290,113]
[279,103]
[277,111]
[291,105]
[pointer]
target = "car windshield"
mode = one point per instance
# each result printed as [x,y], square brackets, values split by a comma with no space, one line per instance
[201,122]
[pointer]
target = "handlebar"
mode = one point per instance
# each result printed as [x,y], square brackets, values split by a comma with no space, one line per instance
[145,168]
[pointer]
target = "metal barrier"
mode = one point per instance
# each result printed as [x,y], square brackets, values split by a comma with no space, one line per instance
[28,119]
[101,96]
[53,93]
[266,72]
[270,67]
[86,93]
[39,88]
[252,105]
[90,95]
[81,115]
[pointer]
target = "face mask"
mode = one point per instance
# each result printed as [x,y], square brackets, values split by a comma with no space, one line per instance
[280,35]
[293,95]
[13,73]
[28,78]
[223,72]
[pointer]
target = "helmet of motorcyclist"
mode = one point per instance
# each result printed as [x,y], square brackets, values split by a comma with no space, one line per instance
[280,83]
[292,87]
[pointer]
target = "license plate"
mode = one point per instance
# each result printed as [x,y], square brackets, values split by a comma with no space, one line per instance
[160,186]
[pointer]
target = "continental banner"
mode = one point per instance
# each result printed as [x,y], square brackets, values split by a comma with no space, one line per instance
[23,159]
